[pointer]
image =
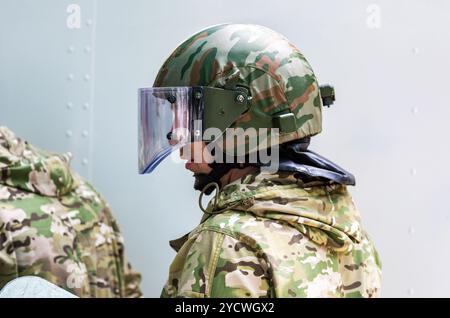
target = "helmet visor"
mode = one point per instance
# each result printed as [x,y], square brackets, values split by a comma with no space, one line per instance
[166,123]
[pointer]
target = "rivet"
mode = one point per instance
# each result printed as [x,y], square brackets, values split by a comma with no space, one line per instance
[198,95]
[86,105]
[70,77]
[87,77]
[373,20]
[411,291]
[88,22]
[240,98]
[69,133]
[415,110]
[171,98]
[411,230]
[87,49]
[69,105]
[71,49]
[85,161]
[85,133]
[415,50]
[413,171]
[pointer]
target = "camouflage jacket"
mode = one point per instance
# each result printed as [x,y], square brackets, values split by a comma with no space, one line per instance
[280,238]
[56,226]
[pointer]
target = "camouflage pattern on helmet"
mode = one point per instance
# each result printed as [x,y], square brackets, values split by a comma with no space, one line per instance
[54,225]
[280,238]
[276,73]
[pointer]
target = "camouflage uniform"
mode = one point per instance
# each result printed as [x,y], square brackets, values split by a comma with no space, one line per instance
[281,238]
[56,226]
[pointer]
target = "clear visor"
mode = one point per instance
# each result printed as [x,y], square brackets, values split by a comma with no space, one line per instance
[166,122]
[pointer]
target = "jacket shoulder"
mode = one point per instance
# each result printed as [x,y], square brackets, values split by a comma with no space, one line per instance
[231,222]
[245,227]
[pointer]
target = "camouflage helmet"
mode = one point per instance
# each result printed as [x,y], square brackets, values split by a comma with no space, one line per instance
[284,90]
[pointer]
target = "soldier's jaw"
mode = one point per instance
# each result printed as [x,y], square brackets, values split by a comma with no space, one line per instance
[198,168]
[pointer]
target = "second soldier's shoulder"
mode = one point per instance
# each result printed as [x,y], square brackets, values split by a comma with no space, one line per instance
[16,204]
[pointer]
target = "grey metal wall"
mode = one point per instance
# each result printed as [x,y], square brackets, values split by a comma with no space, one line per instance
[69,73]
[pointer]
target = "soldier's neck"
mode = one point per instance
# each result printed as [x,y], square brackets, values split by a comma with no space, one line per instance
[235,174]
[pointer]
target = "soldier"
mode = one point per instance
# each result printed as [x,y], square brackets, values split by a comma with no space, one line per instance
[54,225]
[292,232]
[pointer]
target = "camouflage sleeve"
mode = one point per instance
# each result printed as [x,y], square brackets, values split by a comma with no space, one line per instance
[131,278]
[214,264]
[8,262]
[132,281]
